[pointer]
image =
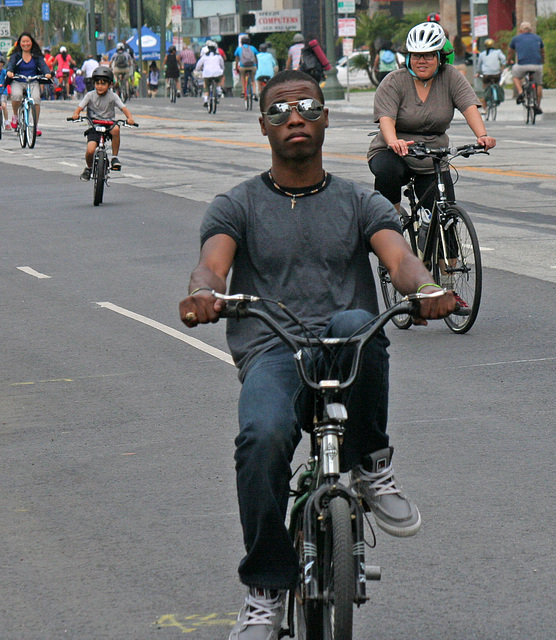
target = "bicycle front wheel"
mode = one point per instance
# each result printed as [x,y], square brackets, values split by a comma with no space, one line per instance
[456,264]
[31,129]
[390,294]
[99,176]
[21,127]
[338,573]
[173,91]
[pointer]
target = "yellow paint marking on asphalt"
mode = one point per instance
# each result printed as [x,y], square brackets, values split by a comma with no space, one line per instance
[193,622]
[21,384]
[343,156]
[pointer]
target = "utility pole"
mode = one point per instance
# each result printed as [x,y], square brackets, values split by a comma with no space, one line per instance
[333,90]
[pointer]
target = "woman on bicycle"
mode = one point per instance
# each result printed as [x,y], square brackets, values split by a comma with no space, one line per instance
[489,65]
[64,66]
[26,60]
[172,65]
[211,65]
[416,104]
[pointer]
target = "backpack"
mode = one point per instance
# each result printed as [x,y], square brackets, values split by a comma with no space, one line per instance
[387,61]
[121,60]
[310,64]
[247,57]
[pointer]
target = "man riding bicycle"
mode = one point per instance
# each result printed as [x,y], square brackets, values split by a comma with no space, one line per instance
[300,235]
[527,49]
[121,65]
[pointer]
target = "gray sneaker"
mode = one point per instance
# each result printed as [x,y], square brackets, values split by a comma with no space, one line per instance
[86,175]
[374,481]
[261,616]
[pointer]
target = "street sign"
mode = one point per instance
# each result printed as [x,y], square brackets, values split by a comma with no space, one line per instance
[347,27]
[480,26]
[13,3]
[46,11]
[346,6]
[5,29]
[5,45]
[347,46]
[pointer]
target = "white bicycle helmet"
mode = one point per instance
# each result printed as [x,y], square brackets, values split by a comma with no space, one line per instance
[425,37]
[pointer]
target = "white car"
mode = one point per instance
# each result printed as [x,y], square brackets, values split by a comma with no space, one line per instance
[357,77]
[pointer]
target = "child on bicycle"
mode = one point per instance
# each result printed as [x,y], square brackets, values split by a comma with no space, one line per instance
[101,104]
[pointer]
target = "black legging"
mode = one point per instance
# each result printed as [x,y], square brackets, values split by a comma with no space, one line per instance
[392,173]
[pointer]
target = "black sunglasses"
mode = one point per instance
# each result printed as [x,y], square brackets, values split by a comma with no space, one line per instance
[279,112]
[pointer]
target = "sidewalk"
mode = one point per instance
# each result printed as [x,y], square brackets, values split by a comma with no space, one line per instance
[361,102]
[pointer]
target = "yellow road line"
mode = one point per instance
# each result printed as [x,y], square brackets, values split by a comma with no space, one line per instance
[343,156]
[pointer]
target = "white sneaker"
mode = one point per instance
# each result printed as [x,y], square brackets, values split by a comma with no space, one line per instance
[261,616]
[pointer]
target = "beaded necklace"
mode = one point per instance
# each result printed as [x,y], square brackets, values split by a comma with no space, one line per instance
[294,196]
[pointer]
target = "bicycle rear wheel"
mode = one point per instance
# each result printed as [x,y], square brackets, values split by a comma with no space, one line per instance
[249,96]
[21,127]
[173,90]
[390,294]
[31,129]
[1,123]
[456,264]
[100,163]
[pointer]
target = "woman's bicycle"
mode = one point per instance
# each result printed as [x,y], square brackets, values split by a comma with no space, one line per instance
[444,239]
[213,95]
[27,113]
[101,166]
[249,92]
[530,98]
[327,519]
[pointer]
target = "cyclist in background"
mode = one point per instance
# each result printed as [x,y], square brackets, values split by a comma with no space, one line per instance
[416,104]
[266,67]
[101,104]
[385,61]
[122,65]
[172,66]
[246,62]
[211,65]
[64,69]
[489,65]
[318,258]
[4,96]
[26,60]
[188,60]
[527,50]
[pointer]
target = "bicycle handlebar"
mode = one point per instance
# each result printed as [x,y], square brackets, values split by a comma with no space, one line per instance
[297,344]
[92,122]
[28,79]
[420,150]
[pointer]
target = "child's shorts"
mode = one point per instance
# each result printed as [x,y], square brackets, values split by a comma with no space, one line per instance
[94,136]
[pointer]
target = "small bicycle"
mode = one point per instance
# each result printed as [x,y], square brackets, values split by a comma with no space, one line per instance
[530,98]
[213,96]
[27,114]
[444,239]
[327,519]
[101,166]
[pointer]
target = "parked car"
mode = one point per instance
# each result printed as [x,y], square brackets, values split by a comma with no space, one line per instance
[357,77]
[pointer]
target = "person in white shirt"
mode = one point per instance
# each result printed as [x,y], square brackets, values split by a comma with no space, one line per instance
[211,65]
[88,67]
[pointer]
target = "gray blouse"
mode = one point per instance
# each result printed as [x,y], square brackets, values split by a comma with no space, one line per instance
[396,98]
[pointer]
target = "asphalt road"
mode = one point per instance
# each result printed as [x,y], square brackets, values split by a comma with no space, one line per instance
[118,509]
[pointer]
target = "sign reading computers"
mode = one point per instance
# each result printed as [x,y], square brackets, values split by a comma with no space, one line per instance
[269,21]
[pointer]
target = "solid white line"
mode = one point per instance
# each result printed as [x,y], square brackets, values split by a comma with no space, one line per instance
[132,175]
[495,364]
[32,272]
[68,164]
[174,333]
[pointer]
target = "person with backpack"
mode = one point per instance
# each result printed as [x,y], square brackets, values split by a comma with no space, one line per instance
[309,62]
[489,67]
[385,61]
[122,66]
[246,62]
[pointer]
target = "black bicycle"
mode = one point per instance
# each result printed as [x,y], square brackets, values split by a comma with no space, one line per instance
[444,239]
[530,98]
[213,95]
[101,166]
[327,519]
[173,89]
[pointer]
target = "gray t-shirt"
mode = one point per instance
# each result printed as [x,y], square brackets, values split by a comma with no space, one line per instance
[101,107]
[396,98]
[314,257]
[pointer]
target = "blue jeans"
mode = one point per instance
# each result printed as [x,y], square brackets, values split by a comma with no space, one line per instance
[273,405]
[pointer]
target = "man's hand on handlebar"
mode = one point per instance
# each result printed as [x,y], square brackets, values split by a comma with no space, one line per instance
[200,308]
[433,308]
